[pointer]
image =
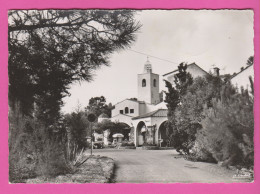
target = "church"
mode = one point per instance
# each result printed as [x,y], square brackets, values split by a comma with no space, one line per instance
[146,116]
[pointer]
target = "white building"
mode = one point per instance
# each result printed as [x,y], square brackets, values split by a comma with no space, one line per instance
[146,116]
[193,69]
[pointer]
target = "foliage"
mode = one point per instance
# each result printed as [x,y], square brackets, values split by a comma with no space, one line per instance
[172,99]
[100,127]
[186,104]
[97,106]
[182,79]
[113,127]
[177,132]
[250,61]
[77,129]
[50,49]
[214,122]
[21,164]
[189,114]
[228,129]
[251,85]
[31,151]
[74,157]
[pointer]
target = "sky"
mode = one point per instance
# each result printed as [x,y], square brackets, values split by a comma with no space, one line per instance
[219,38]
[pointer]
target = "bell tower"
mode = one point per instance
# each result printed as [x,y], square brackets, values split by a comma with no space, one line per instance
[148,85]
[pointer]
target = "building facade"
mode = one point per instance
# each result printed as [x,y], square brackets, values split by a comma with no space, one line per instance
[147,115]
[193,69]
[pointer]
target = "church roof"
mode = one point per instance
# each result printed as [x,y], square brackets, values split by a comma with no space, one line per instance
[137,101]
[241,71]
[176,70]
[156,113]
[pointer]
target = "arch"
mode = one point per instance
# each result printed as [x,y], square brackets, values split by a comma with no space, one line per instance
[126,110]
[163,139]
[144,83]
[140,133]
[154,83]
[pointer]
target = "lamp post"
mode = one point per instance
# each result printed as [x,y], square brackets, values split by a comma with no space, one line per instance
[91,119]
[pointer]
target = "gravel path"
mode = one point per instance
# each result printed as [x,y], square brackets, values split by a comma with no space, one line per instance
[162,166]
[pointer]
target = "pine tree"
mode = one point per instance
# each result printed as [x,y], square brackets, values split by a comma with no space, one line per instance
[50,49]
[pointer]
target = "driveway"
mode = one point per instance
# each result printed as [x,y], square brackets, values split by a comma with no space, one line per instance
[162,166]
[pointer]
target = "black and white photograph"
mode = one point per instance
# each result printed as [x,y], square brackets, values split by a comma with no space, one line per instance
[131,96]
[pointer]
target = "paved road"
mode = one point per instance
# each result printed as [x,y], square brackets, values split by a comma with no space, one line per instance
[162,166]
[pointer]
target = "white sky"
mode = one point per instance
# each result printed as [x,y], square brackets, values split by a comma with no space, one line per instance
[223,38]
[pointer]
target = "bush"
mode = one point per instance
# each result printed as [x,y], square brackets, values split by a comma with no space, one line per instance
[51,161]
[78,128]
[228,130]
[31,151]
[22,155]
[200,153]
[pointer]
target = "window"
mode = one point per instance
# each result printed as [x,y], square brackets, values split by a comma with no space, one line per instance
[126,110]
[121,112]
[154,83]
[143,83]
[131,110]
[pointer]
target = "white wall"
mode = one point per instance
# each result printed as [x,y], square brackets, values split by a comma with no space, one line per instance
[193,69]
[126,103]
[149,93]
[123,119]
[146,108]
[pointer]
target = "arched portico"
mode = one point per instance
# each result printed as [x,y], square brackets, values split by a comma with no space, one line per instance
[162,135]
[140,133]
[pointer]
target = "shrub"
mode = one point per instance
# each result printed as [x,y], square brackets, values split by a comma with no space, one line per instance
[78,128]
[228,130]
[51,159]
[22,155]
[200,153]
[182,141]
[31,151]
